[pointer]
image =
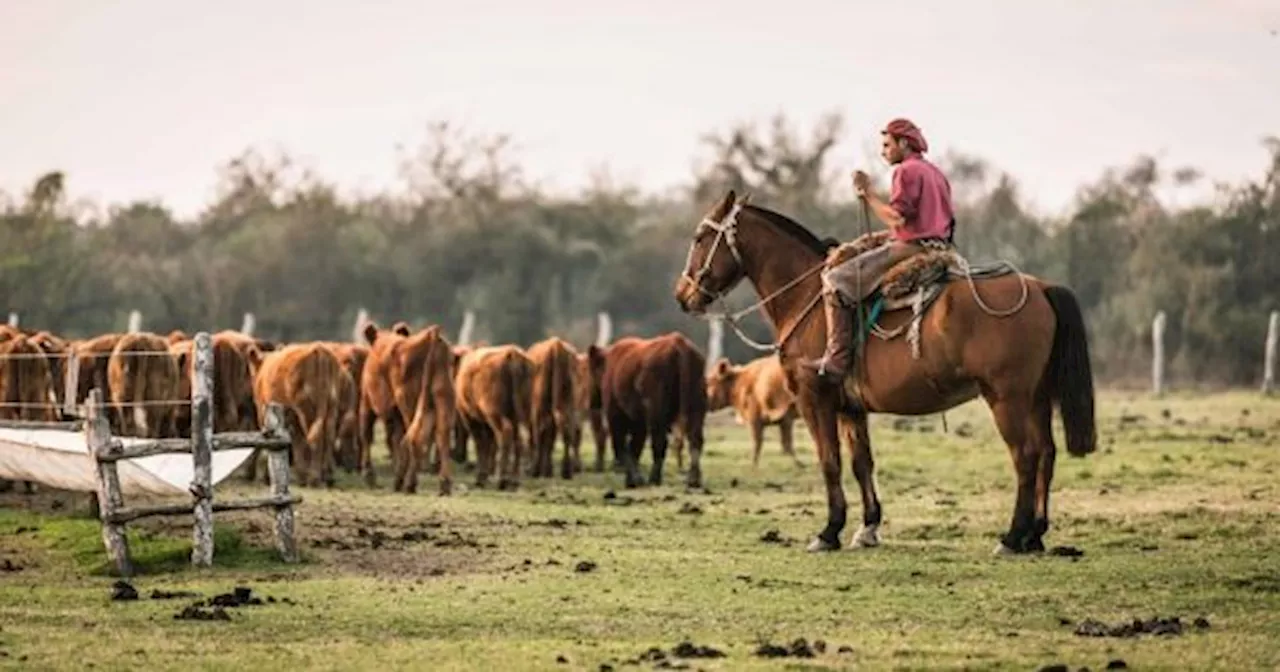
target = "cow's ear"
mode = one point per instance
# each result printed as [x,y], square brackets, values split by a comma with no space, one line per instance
[722,366]
[370,332]
[254,355]
[401,328]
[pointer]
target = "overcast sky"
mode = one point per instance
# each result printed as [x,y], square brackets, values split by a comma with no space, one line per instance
[144,99]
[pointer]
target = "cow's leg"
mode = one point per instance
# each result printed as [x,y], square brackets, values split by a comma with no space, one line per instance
[443,431]
[365,440]
[484,450]
[571,437]
[756,423]
[786,428]
[509,447]
[396,446]
[658,439]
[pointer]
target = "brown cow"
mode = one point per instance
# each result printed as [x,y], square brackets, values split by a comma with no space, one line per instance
[758,393]
[143,378]
[234,408]
[493,385]
[586,396]
[352,356]
[407,383]
[26,381]
[304,379]
[648,388]
[553,410]
[460,435]
[93,357]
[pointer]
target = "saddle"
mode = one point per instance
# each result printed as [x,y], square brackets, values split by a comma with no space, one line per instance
[915,282]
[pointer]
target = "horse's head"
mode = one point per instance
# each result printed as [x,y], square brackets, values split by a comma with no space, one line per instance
[714,265]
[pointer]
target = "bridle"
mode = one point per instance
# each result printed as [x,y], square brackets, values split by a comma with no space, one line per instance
[727,231]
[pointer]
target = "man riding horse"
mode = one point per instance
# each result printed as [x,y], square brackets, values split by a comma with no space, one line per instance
[918,211]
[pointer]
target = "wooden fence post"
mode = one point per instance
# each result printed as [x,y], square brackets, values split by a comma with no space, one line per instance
[202,451]
[468,328]
[70,385]
[1269,357]
[110,498]
[135,322]
[715,342]
[357,332]
[13,319]
[278,469]
[1157,354]
[604,329]
[248,324]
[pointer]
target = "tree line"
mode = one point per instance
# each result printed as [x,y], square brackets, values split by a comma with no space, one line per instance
[469,231]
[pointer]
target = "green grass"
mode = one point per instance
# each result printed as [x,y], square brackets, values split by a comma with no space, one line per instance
[1177,516]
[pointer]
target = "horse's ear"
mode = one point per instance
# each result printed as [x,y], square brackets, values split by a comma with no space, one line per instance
[722,366]
[722,208]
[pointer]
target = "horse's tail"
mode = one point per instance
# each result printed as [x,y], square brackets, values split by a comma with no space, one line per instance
[1070,380]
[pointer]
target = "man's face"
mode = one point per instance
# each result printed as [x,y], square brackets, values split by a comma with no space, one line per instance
[891,149]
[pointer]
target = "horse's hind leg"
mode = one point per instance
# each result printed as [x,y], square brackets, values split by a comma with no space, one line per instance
[820,416]
[1041,433]
[1014,418]
[858,438]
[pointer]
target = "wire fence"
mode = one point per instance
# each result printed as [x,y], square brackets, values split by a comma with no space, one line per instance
[33,396]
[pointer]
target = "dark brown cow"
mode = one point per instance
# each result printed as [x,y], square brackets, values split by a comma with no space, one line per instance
[493,385]
[304,379]
[758,393]
[407,383]
[553,410]
[143,378]
[648,387]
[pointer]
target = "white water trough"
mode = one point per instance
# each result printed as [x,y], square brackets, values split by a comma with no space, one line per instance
[60,458]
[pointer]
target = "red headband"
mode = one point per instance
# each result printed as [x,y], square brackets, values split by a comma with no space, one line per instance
[903,128]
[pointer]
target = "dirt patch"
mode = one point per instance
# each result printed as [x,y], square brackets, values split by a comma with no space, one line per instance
[382,542]
[1153,626]
[8,565]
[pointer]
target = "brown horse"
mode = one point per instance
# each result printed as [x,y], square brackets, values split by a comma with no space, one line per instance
[1022,364]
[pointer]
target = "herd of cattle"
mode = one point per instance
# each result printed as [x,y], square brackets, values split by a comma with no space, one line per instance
[431,396]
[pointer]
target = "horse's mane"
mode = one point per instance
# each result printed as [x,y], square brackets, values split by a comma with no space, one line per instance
[795,230]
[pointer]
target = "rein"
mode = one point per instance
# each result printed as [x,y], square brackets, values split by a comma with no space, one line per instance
[727,231]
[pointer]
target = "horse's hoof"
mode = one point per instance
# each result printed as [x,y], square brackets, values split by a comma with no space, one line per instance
[1002,550]
[819,544]
[867,537]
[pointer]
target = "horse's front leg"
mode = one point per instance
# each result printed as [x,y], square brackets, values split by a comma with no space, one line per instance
[820,416]
[858,437]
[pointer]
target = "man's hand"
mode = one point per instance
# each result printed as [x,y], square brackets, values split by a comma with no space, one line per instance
[861,183]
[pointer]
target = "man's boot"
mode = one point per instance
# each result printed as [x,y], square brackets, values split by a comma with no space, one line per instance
[836,361]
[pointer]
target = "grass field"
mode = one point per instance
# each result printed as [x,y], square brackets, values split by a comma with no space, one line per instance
[1176,516]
